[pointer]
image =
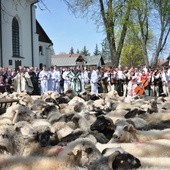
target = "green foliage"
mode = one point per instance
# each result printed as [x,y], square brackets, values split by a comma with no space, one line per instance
[96,51]
[85,51]
[78,51]
[71,50]
[131,55]
[146,19]
[105,50]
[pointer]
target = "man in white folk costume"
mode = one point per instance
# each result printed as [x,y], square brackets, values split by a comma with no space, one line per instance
[43,77]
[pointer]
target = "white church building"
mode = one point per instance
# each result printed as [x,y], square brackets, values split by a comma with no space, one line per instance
[23,42]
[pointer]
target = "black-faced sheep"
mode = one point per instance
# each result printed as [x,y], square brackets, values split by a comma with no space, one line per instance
[104,125]
[116,161]
[51,113]
[133,113]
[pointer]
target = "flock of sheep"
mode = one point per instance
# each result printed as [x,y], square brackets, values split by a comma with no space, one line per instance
[84,132]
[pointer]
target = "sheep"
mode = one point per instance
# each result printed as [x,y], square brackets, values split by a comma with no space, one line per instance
[43,163]
[6,136]
[89,151]
[40,122]
[156,117]
[50,95]
[18,112]
[134,112]
[116,161]
[137,122]
[81,122]
[158,125]
[159,148]
[128,133]
[155,162]
[75,100]
[38,105]
[104,125]
[75,155]
[51,113]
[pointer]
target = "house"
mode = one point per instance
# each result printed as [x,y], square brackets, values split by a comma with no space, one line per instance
[22,39]
[167,62]
[72,60]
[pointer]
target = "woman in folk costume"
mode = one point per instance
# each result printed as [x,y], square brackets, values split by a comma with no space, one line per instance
[75,80]
[144,79]
[132,84]
[43,77]
[22,81]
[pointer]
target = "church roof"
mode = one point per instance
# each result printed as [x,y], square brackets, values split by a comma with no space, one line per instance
[43,37]
[67,60]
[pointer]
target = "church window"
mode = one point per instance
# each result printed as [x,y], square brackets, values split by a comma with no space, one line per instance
[15,38]
[41,50]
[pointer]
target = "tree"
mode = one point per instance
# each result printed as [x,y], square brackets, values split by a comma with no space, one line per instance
[85,51]
[115,16]
[96,51]
[105,50]
[140,26]
[78,51]
[162,12]
[132,55]
[71,50]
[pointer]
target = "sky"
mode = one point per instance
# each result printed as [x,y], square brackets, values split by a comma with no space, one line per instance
[65,30]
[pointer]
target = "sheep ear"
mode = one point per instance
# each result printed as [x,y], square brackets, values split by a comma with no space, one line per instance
[112,158]
[125,128]
[129,128]
[130,122]
[75,151]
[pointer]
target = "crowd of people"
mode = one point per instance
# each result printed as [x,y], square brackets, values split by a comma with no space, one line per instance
[127,81]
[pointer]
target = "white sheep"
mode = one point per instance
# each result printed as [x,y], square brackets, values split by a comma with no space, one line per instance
[159,148]
[75,155]
[155,162]
[127,133]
